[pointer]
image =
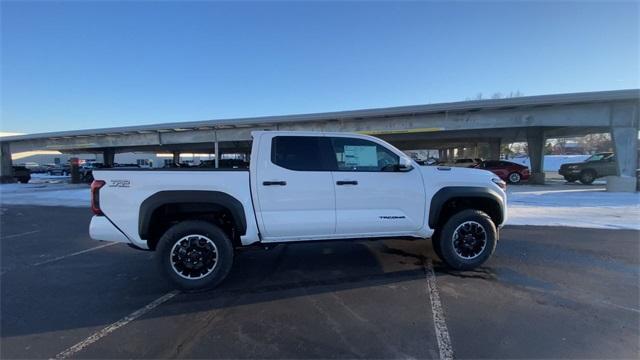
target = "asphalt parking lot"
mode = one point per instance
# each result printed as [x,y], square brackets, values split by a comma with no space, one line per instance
[548,292]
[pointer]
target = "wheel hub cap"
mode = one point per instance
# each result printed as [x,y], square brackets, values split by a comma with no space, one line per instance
[194,257]
[469,240]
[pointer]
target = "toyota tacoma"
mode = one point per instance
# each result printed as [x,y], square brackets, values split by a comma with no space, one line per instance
[300,186]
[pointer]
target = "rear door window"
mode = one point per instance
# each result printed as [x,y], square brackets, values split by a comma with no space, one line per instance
[302,153]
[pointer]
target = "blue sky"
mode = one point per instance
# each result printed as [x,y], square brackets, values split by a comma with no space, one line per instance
[75,65]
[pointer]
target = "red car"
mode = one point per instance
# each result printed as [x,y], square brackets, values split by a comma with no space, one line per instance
[506,170]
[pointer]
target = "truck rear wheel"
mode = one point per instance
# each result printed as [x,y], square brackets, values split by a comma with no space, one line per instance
[467,239]
[195,255]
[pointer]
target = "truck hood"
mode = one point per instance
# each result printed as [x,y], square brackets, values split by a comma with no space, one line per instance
[455,176]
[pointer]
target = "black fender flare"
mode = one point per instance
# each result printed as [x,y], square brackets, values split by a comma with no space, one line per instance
[153,202]
[451,192]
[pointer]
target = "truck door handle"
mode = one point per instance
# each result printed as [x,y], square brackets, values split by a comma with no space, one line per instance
[346,183]
[270,183]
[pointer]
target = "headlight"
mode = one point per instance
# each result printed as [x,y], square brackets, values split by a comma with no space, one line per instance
[500,183]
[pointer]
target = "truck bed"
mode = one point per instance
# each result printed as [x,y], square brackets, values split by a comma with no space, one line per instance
[125,190]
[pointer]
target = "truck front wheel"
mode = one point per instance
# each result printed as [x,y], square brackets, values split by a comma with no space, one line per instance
[195,255]
[467,239]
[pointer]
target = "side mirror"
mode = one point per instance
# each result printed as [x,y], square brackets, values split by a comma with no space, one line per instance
[405,164]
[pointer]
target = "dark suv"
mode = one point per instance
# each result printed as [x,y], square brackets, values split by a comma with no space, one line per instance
[596,166]
[22,174]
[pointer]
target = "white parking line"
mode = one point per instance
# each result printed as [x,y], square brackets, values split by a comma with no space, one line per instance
[21,234]
[116,325]
[442,333]
[74,254]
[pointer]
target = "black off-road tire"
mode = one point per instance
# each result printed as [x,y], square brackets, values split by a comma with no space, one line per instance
[194,228]
[588,176]
[449,254]
[570,179]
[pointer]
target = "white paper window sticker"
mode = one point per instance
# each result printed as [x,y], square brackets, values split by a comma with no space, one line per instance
[360,156]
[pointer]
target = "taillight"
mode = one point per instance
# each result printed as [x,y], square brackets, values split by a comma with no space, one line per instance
[95,196]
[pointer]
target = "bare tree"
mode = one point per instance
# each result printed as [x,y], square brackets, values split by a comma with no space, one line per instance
[596,142]
[497,95]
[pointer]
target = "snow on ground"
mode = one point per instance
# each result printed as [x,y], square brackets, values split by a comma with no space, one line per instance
[571,205]
[49,179]
[550,205]
[50,194]
[551,162]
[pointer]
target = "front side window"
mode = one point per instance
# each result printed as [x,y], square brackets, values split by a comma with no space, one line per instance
[301,153]
[354,154]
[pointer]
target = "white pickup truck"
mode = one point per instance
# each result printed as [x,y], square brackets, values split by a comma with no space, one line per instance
[300,186]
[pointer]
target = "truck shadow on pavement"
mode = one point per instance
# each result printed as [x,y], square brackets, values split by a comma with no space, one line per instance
[96,290]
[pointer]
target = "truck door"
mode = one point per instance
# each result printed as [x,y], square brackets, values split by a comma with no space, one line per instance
[295,188]
[372,196]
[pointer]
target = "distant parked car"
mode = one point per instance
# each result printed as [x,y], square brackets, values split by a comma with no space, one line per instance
[59,170]
[21,174]
[129,166]
[506,170]
[596,166]
[466,162]
[225,164]
[34,167]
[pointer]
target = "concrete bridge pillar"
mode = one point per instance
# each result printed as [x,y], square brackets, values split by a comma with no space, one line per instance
[624,133]
[6,167]
[176,157]
[442,154]
[451,154]
[216,149]
[535,146]
[494,150]
[108,157]
[476,151]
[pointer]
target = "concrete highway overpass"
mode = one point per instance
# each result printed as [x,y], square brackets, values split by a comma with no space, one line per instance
[444,126]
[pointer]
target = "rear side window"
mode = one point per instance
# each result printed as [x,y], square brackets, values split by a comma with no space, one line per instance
[353,154]
[301,153]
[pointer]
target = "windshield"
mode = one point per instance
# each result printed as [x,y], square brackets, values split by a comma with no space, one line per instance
[598,157]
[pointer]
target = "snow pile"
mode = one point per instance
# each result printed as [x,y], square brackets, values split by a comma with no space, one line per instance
[583,207]
[551,162]
[48,179]
[45,194]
